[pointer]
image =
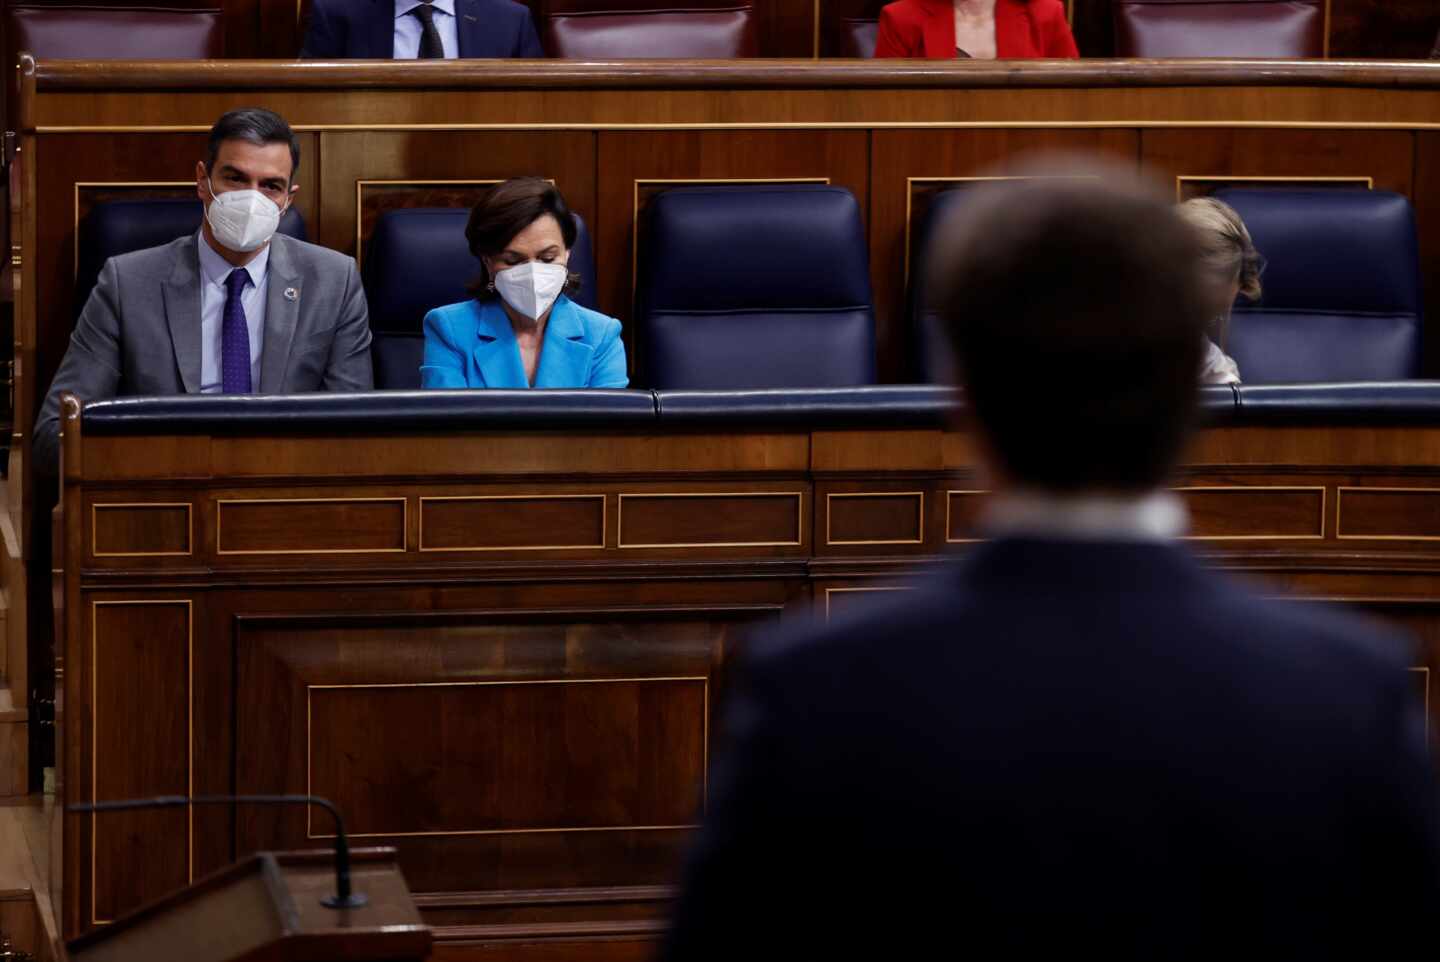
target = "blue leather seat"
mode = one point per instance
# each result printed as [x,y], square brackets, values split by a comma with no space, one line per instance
[755,287]
[1342,291]
[419,259]
[932,360]
[121,226]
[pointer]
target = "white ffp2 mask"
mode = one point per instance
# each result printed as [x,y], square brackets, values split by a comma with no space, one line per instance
[242,220]
[531,288]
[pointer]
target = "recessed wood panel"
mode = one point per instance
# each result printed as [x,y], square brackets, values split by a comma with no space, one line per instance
[140,530]
[140,740]
[859,518]
[522,756]
[962,515]
[1389,513]
[711,520]
[521,522]
[310,526]
[844,601]
[1255,512]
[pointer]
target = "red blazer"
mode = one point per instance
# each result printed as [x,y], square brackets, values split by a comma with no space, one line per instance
[926,28]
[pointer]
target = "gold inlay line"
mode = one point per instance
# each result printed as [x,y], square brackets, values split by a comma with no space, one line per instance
[799,497]
[404,526]
[587,496]
[1182,179]
[1262,489]
[1339,513]
[949,500]
[95,534]
[919,497]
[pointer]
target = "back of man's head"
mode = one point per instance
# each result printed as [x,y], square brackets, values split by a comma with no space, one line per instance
[1073,308]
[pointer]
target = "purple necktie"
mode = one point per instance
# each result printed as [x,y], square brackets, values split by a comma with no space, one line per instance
[235,337]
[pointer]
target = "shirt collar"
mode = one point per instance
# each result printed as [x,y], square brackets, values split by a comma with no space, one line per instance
[403,7]
[1157,516]
[216,269]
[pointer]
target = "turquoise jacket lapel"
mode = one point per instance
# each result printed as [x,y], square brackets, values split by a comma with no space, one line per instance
[564,357]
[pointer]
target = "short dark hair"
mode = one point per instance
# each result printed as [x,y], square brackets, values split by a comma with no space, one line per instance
[254,125]
[1075,311]
[508,208]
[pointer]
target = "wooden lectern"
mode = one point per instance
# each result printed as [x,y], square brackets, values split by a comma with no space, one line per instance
[268,907]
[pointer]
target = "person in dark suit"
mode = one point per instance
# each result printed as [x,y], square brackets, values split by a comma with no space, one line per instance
[420,29]
[1078,740]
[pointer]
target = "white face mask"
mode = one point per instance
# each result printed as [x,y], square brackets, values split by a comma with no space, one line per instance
[531,288]
[242,220]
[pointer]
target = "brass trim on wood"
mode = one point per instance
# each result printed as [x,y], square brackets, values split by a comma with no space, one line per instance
[785,125]
[604,520]
[1339,513]
[844,591]
[799,497]
[705,758]
[1261,489]
[404,529]
[95,551]
[949,495]
[95,729]
[920,520]
[1182,179]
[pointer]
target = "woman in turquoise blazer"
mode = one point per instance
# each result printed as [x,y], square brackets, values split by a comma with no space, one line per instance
[521,330]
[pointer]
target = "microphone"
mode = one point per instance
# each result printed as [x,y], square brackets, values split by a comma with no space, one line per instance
[343,898]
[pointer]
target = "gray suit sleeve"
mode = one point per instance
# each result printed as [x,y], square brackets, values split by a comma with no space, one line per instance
[348,368]
[90,370]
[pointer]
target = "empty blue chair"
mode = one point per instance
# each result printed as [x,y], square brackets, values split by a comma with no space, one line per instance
[418,259]
[755,287]
[121,226]
[1342,291]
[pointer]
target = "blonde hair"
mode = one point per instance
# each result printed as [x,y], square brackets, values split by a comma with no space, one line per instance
[1225,242]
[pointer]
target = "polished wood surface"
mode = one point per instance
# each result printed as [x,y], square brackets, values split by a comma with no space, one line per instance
[526,709]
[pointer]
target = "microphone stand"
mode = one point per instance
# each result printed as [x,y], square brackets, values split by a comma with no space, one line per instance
[343,897]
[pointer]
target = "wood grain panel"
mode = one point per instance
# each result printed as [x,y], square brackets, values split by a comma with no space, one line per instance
[310,525]
[543,755]
[501,522]
[712,520]
[863,518]
[1388,513]
[140,745]
[1236,512]
[843,601]
[140,530]
[905,163]
[423,161]
[964,510]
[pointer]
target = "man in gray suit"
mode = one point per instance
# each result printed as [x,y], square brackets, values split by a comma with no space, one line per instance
[234,309]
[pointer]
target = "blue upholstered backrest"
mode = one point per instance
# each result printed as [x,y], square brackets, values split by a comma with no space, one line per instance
[1342,291]
[418,259]
[121,226]
[764,286]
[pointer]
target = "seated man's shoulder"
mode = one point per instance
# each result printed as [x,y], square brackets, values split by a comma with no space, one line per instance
[1300,629]
[509,8]
[156,261]
[322,258]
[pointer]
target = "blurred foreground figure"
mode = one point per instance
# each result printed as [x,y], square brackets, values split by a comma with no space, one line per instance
[1077,741]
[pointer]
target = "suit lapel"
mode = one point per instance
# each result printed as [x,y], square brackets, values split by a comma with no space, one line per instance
[564,356]
[940,30]
[282,316]
[182,314]
[497,355]
[1013,36]
[467,28]
[382,30]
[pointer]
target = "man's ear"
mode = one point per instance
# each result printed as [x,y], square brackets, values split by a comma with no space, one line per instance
[202,181]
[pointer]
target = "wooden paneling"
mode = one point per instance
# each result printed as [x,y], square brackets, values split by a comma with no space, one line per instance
[140,744]
[1255,511]
[857,518]
[500,522]
[140,529]
[963,514]
[907,167]
[712,519]
[1389,513]
[310,525]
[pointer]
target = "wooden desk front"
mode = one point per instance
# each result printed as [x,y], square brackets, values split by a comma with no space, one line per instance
[501,651]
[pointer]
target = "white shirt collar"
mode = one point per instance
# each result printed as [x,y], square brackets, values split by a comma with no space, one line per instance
[403,7]
[216,269]
[1158,516]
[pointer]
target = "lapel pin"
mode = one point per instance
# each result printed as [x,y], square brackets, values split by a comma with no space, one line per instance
[291,294]
[471,19]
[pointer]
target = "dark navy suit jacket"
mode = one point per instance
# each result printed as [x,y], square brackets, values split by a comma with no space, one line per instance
[1070,750]
[365,29]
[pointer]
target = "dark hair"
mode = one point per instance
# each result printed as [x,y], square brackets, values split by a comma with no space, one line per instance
[254,125]
[508,208]
[1075,311]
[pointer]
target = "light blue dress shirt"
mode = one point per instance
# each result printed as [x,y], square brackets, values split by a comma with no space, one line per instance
[408,29]
[214,270]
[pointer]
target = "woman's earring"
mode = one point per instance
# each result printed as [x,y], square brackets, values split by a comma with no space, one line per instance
[490,286]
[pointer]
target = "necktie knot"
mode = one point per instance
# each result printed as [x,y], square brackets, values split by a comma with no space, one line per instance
[431,46]
[237,280]
[426,13]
